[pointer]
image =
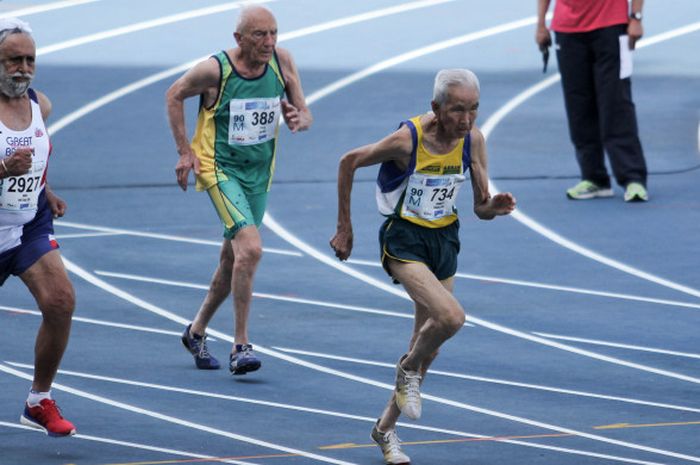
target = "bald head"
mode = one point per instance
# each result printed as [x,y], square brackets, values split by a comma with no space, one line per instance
[253,14]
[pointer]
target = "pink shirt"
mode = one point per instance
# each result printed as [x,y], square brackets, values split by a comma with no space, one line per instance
[587,15]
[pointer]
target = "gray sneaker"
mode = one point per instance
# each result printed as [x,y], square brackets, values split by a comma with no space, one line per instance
[390,444]
[408,392]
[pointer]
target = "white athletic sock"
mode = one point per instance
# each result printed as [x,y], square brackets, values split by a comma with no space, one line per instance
[35,398]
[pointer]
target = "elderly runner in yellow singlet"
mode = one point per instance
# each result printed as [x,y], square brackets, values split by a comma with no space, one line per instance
[423,165]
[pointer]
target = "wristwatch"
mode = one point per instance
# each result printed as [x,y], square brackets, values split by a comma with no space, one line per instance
[636,15]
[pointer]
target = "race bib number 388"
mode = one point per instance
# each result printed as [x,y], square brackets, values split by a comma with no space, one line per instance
[253,121]
[431,197]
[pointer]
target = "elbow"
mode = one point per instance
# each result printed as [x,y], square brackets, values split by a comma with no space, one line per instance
[172,97]
[169,95]
[347,166]
[345,163]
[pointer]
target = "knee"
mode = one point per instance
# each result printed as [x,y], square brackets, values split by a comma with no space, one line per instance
[58,307]
[453,319]
[248,256]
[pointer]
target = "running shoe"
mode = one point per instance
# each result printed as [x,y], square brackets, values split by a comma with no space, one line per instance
[408,392]
[47,417]
[588,190]
[636,192]
[390,444]
[243,360]
[197,346]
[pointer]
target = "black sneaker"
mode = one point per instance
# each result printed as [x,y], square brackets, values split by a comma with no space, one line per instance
[197,346]
[243,360]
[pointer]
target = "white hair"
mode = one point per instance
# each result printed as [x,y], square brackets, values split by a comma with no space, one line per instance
[246,11]
[452,77]
[10,26]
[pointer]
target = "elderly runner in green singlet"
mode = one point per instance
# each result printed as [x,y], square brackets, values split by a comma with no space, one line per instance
[233,157]
[423,165]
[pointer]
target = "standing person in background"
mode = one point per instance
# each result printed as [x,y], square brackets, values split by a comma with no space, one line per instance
[594,40]
[233,158]
[423,164]
[27,208]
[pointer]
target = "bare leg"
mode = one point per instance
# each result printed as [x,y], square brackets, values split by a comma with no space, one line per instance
[426,330]
[219,290]
[247,248]
[48,282]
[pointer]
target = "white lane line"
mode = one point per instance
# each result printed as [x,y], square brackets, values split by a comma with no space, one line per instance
[412,55]
[132,445]
[586,252]
[90,278]
[619,345]
[539,228]
[282,298]
[92,321]
[503,382]
[187,15]
[334,24]
[212,395]
[165,237]
[232,6]
[553,287]
[32,10]
[333,262]
[85,235]
[578,290]
[331,413]
[386,365]
[178,421]
[147,81]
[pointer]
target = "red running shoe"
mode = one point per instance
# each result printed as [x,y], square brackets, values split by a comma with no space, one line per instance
[47,417]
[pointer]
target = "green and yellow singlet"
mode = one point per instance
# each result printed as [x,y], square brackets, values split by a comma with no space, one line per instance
[237,136]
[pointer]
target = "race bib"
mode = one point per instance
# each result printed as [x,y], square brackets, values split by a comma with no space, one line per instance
[431,197]
[21,193]
[253,121]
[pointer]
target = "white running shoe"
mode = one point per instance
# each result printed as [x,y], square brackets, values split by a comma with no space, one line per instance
[408,392]
[390,444]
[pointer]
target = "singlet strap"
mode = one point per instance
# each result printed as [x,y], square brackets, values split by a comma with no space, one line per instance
[32,95]
[277,68]
[225,70]
[467,153]
[390,176]
[414,137]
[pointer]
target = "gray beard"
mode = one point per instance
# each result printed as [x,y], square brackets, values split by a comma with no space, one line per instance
[12,88]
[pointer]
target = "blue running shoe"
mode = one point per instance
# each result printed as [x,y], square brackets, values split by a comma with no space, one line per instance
[243,360]
[197,346]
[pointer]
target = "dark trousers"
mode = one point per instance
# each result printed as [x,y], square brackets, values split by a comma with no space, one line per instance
[599,106]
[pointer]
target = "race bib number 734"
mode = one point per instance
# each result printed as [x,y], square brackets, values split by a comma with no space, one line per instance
[431,197]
